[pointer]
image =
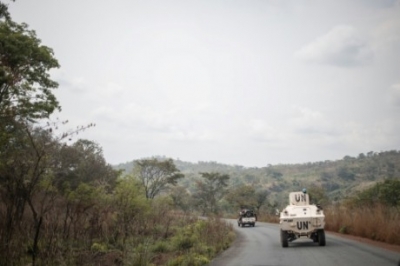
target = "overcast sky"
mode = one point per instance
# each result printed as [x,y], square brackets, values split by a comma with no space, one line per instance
[250,83]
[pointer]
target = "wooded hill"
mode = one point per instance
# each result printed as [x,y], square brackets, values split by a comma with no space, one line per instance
[340,179]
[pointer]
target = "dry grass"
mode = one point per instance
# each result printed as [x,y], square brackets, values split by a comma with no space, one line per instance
[379,222]
[268,218]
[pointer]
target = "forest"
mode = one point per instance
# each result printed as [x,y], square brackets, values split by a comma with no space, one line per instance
[360,194]
[337,180]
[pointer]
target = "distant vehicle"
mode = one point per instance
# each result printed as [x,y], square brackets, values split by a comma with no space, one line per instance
[300,219]
[247,217]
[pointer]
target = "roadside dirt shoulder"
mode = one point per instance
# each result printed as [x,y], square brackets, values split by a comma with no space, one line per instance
[368,241]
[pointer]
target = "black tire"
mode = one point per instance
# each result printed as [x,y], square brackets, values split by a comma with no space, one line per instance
[315,237]
[321,237]
[284,239]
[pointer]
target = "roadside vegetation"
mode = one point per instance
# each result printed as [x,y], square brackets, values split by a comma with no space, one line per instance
[373,213]
[61,203]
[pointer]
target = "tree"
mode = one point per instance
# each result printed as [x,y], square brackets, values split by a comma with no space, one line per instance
[28,152]
[274,173]
[4,14]
[246,196]
[131,204]
[156,175]
[24,165]
[242,197]
[83,162]
[210,191]
[345,174]
[25,84]
[261,198]
[181,198]
[361,156]
[318,195]
[386,193]
[28,165]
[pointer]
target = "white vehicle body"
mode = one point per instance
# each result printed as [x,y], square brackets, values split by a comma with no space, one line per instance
[300,219]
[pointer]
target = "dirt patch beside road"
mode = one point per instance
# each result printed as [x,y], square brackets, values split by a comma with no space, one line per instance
[368,241]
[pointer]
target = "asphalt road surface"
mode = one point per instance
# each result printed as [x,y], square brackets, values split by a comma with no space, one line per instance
[260,246]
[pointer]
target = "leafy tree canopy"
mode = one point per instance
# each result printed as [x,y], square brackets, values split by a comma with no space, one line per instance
[242,197]
[83,162]
[210,191]
[387,193]
[155,175]
[318,195]
[4,14]
[25,84]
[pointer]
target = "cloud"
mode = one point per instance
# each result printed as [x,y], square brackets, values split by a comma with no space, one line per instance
[261,131]
[342,46]
[310,122]
[380,3]
[302,126]
[145,122]
[74,84]
[379,135]
[387,34]
[394,95]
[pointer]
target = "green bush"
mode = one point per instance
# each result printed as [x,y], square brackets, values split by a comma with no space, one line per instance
[183,242]
[97,247]
[160,247]
[140,255]
[203,249]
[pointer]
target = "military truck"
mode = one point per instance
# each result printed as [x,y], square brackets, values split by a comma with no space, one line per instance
[300,219]
[247,217]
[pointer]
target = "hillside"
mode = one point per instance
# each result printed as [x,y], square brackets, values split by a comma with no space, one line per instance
[339,178]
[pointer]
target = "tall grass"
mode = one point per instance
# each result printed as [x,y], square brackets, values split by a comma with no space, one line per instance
[378,222]
[104,233]
[268,218]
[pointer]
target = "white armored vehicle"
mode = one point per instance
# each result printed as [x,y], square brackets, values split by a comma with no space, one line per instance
[300,219]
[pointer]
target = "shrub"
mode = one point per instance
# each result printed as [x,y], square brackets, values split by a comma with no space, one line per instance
[183,241]
[160,247]
[97,247]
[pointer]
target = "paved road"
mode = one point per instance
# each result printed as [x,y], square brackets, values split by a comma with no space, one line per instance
[260,246]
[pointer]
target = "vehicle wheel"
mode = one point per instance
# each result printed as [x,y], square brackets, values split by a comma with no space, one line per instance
[321,237]
[314,237]
[284,239]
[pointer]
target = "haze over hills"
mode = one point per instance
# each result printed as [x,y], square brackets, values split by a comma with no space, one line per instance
[340,178]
